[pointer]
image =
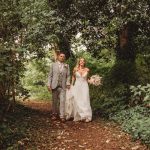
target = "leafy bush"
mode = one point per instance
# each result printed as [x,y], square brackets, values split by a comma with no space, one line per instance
[140,94]
[142,65]
[35,78]
[14,128]
[135,121]
[10,136]
[106,104]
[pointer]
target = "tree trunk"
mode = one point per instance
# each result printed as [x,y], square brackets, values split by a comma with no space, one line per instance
[126,49]
[124,70]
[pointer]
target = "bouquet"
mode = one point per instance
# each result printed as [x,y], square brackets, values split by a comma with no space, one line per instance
[95,80]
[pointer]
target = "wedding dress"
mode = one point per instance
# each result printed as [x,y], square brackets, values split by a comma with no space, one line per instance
[78,99]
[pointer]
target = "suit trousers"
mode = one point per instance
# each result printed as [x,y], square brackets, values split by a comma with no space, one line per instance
[58,101]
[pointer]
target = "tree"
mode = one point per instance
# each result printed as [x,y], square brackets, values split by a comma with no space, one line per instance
[115,25]
[11,55]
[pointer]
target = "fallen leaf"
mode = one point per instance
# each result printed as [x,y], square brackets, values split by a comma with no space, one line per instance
[59,137]
[107,141]
[135,147]
[81,146]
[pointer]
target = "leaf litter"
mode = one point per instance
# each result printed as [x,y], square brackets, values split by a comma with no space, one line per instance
[54,135]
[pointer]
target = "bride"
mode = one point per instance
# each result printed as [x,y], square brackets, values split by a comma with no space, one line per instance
[80,92]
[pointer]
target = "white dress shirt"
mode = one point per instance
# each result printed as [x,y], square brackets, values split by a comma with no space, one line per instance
[61,66]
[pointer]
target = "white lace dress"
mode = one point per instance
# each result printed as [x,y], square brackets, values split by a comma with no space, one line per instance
[78,99]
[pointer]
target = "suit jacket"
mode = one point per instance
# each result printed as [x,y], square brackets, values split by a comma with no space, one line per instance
[53,76]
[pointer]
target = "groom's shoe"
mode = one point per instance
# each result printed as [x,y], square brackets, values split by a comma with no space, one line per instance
[87,120]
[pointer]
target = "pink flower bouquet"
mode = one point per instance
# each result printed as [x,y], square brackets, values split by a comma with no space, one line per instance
[95,80]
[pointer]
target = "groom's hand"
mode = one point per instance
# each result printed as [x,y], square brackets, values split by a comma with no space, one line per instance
[68,87]
[49,89]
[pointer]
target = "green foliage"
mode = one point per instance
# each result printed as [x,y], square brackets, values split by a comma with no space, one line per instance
[11,69]
[41,25]
[14,128]
[105,102]
[123,72]
[101,66]
[140,94]
[8,135]
[35,78]
[142,65]
[35,24]
[135,121]
[100,20]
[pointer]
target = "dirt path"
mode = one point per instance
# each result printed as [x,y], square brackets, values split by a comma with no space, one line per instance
[45,134]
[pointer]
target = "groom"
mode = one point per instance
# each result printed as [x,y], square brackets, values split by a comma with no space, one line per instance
[58,81]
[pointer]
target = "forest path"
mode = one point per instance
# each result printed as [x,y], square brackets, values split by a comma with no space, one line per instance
[46,134]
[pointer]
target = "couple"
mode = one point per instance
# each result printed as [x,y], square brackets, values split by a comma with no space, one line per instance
[59,83]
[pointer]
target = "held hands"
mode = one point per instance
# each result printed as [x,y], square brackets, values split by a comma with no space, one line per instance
[68,87]
[88,80]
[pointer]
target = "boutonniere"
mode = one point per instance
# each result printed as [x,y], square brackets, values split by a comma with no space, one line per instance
[66,66]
